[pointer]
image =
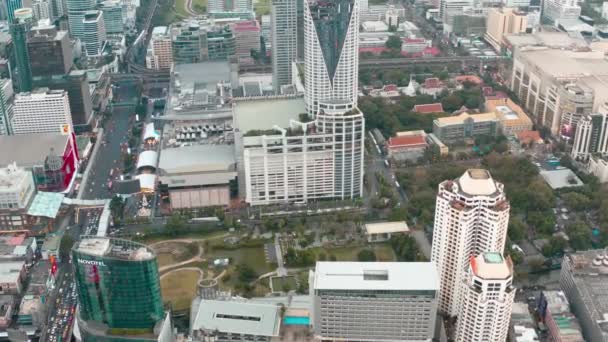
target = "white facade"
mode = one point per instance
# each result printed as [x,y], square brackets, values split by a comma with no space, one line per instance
[42,111]
[6,106]
[76,10]
[379,301]
[94,36]
[331,72]
[557,10]
[42,9]
[591,136]
[229,6]
[160,51]
[284,41]
[487,300]
[448,9]
[516,3]
[16,187]
[471,217]
[112,16]
[598,166]
[296,165]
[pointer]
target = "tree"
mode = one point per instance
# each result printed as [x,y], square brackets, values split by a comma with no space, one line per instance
[543,221]
[67,241]
[117,206]
[394,43]
[246,273]
[555,247]
[451,103]
[332,257]
[517,229]
[580,235]
[405,248]
[576,201]
[366,255]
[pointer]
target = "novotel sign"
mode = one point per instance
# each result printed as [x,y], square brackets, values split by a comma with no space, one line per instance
[91,262]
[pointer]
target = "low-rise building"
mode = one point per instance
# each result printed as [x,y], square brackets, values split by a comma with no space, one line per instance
[41,278]
[598,166]
[17,190]
[455,129]
[383,231]
[159,55]
[437,145]
[380,301]
[12,274]
[408,145]
[554,312]
[7,307]
[432,86]
[32,310]
[512,118]
[584,280]
[523,327]
[528,138]
[50,247]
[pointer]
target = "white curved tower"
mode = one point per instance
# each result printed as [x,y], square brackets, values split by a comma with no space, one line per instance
[331,52]
[471,218]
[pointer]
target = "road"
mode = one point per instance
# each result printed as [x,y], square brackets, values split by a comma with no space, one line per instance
[109,154]
[376,163]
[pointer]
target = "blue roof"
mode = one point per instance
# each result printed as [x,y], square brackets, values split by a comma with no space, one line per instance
[46,204]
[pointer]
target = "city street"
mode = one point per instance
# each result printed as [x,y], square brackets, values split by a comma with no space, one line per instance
[109,154]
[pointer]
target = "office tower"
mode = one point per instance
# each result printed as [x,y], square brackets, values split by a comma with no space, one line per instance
[284,41]
[448,9]
[49,51]
[487,299]
[79,94]
[215,6]
[246,38]
[159,55]
[42,9]
[118,286]
[19,29]
[6,106]
[41,111]
[584,280]
[112,16]
[471,217]
[300,28]
[380,301]
[305,164]
[591,135]
[558,10]
[94,36]
[76,10]
[331,52]
[195,41]
[9,7]
[501,22]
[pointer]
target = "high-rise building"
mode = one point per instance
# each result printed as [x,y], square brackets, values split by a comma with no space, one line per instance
[9,8]
[112,16]
[57,9]
[486,300]
[118,286]
[49,51]
[284,41]
[331,52]
[79,94]
[302,164]
[246,38]
[6,106]
[94,36]
[215,6]
[159,55]
[300,28]
[380,301]
[42,9]
[76,10]
[41,111]
[471,218]
[501,22]
[196,41]
[19,28]
[557,10]
[584,280]
[591,136]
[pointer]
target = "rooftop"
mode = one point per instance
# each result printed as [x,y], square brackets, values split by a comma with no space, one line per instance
[29,150]
[564,64]
[491,265]
[46,204]
[429,108]
[197,158]
[558,179]
[460,119]
[12,177]
[406,140]
[266,113]
[386,276]
[10,271]
[386,227]
[477,182]
[238,317]
[113,248]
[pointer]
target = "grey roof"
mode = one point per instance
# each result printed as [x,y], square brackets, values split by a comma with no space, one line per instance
[204,73]
[128,186]
[560,178]
[10,271]
[399,276]
[30,149]
[197,158]
[214,315]
[265,113]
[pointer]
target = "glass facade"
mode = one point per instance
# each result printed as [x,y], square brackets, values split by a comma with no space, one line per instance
[117,289]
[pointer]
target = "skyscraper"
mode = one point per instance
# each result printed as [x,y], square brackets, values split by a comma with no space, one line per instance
[284,41]
[10,6]
[215,6]
[19,29]
[487,299]
[331,56]
[471,217]
[118,285]
[41,111]
[49,51]
[6,106]
[591,135]
[112,16]
[76,10]
[94,36]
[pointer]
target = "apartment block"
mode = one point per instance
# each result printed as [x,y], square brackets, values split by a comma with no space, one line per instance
[501,22]
[41,111]
[159,55]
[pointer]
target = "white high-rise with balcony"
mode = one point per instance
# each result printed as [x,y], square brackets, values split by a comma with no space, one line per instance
[331,52]
[487,299]
[471,217]
[41,111]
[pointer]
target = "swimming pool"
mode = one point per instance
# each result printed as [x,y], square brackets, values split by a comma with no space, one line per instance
[294,320]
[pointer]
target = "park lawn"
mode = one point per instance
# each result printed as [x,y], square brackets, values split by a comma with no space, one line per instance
[201,235]
[254,257]
[384,252]
[186,251]
[179,288]
[261,7]
[278,283]
[200,6]
[180,8]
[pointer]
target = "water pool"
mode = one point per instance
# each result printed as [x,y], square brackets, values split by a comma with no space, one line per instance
[294,320]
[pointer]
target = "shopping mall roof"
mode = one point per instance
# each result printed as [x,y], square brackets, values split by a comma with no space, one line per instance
[259,114]
[30,149]
[385,276]
[197,158]
[46,204]
[563,178]
[238,317]
[147,182]
[147,159]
